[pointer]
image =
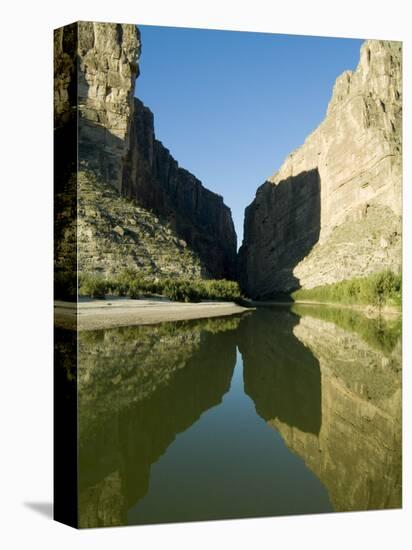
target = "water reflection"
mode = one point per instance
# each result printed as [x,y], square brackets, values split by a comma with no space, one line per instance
[140,386]
[315,424]
[357,454]
[281,375]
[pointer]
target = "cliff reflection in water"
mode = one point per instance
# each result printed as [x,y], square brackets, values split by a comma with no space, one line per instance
[139,387]
[327,381]
[358,452]
[281,375]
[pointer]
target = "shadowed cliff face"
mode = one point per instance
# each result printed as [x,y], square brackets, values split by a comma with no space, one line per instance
[65,161]
[357,155]
[281,227]
[155,180]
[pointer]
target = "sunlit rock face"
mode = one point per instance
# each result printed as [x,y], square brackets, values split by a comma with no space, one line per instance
[353,227]
[114,233]
[357,452]
[108,56]
[112,132]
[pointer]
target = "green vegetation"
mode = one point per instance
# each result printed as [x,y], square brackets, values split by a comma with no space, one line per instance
[380,333]
[94,286]
[378,289]
[130,283]
[194,291]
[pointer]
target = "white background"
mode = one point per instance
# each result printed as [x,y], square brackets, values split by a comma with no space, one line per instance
[26,271]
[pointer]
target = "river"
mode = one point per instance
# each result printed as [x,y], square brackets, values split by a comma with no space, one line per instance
[274,412]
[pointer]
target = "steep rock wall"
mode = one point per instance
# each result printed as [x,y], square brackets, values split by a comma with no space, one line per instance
[94,72]
[108,55]
[96,65]
[297,234]
[200,217]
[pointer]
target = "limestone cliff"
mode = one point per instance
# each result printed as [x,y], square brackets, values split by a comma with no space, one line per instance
[198,216]
[333,210]
[107,70]
[94,75]
[96,66]
[114,234]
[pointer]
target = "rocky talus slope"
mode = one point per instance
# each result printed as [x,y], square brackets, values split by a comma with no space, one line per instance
[333,210]
[96,66]
[114,234]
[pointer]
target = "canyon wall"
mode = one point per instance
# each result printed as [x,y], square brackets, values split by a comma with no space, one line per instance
[116,234]
[96,66]
[333,210]
[198,216]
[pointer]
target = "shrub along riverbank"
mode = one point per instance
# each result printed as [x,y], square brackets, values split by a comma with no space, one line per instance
[182,290]
[379,289]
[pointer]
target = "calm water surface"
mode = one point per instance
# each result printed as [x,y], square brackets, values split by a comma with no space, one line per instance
[278,411]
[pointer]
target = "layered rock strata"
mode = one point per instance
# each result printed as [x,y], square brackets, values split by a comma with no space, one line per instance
[94,76]
[107,70]
[199,216]
[96,65]
[333,210]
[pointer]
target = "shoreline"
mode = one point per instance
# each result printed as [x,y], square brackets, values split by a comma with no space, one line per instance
[99,314]
[368,310]
[117,312]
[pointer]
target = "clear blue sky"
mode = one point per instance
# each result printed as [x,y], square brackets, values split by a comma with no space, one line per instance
[230,106]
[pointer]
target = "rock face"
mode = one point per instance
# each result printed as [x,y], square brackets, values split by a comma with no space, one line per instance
[95,71]
[96,65]
[105,86]
[200,217]
[333,210]
[115,234]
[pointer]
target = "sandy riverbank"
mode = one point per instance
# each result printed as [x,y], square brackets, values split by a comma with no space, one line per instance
[117,312]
